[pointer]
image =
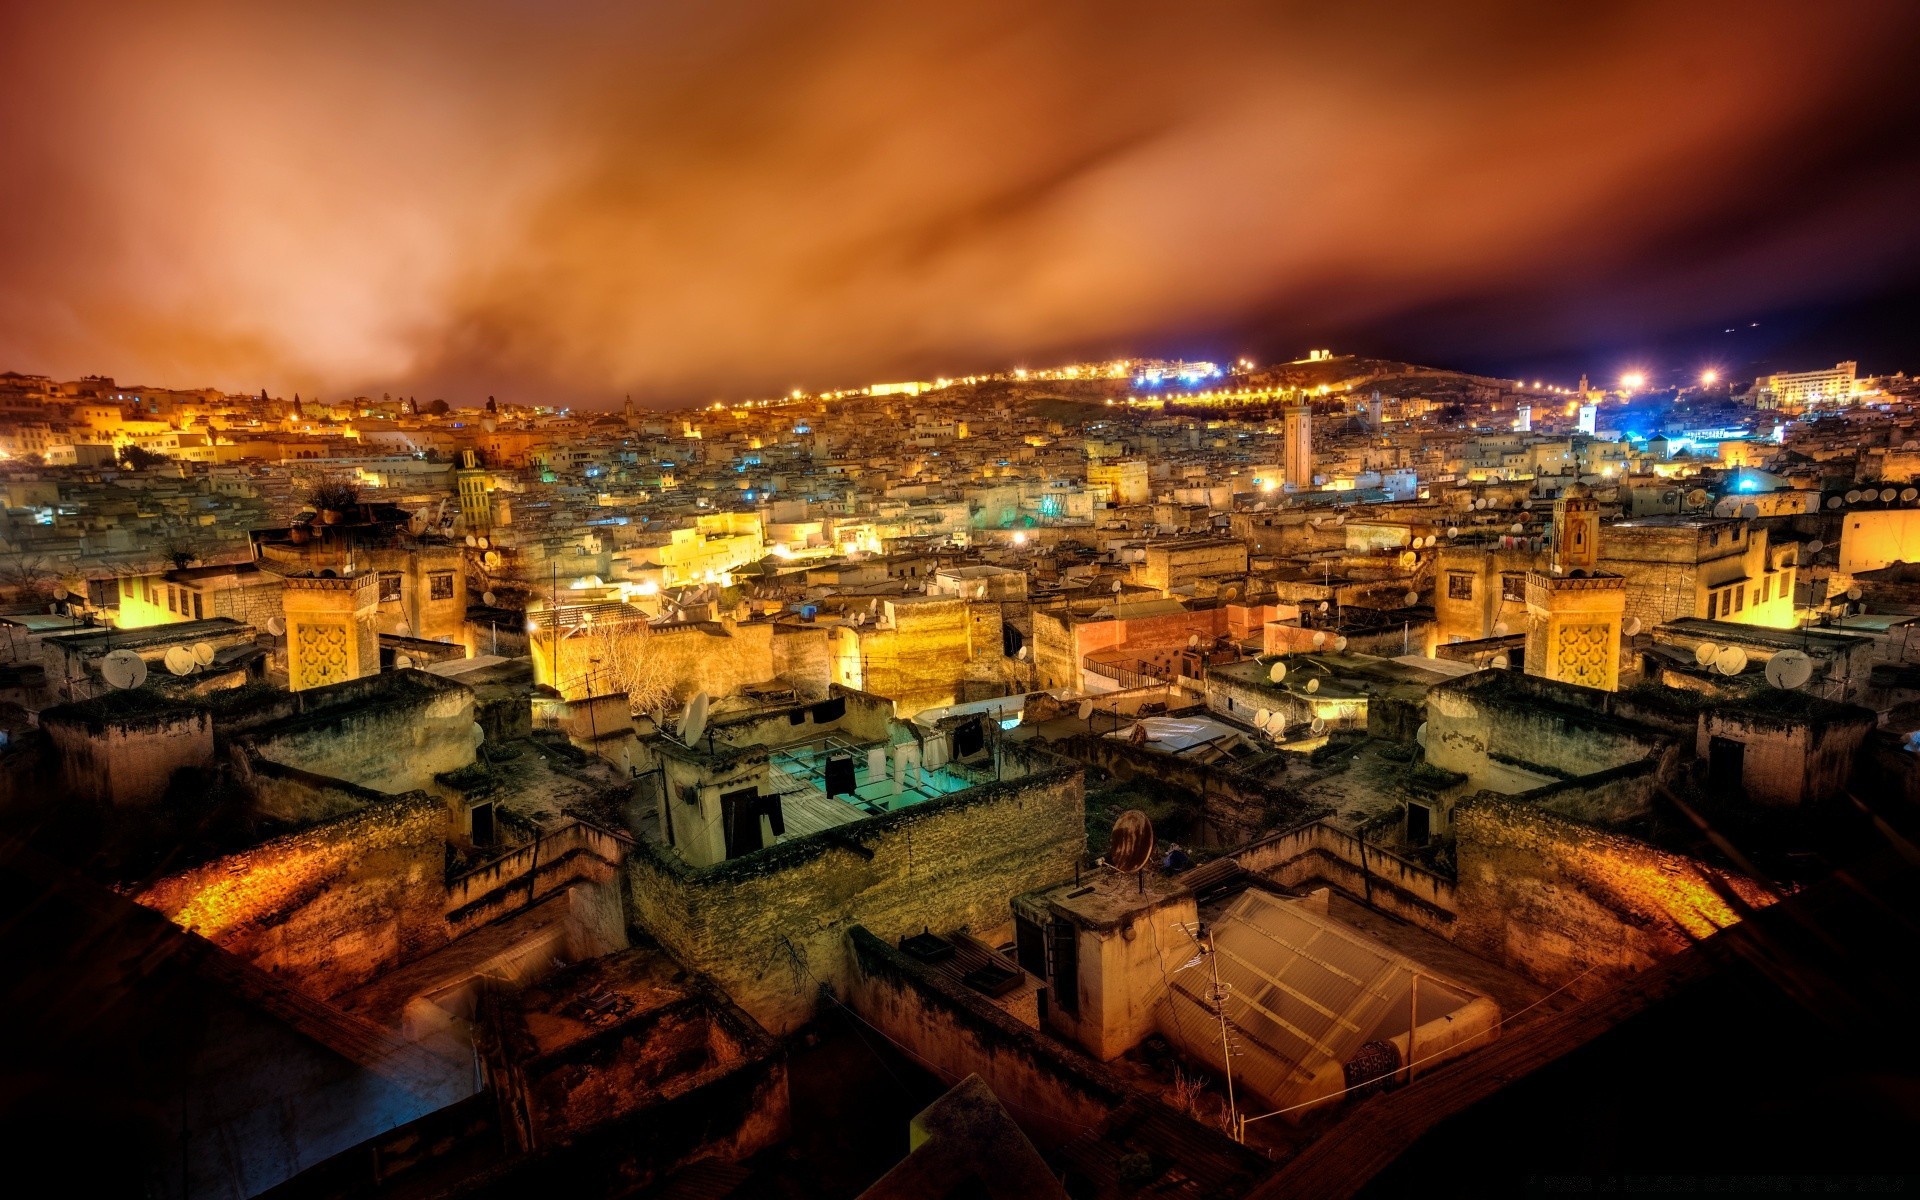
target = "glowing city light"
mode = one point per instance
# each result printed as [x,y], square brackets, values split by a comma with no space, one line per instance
[1709,377]
[1633,381]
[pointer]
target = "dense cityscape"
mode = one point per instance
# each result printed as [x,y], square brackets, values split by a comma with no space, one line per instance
[1362,644]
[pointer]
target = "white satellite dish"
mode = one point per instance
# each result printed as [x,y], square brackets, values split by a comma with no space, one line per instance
[1412,598]
[1117,585]
[1730,661]
[179,660]
[59,592]
[491,558]
[1910,494]
[489,599]
[1888,494]
[1318,726]
[1501,662]
[1789,669]
[402,662]
[203,653]
[1833,502]
[1501,629]
[277,626]
[1276,725]
[1021,654]
[1193,639]
[1453,531]
[1853,497]
[1632,627]
[483,543]
[693,722]
[1319,639]
[1261,718]
[1086,710]
[1323,606]
[1313,685]
[1339,643]
[1517,528]
[1853,593]
[1704,653]
[1750,511]
[1527,505]
[1420,734]
[1697,497]
[1816,546]
[472,541]
[123,669]
[1277,672]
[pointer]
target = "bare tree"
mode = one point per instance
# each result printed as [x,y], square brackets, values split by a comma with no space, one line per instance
[25,576]
[620,658]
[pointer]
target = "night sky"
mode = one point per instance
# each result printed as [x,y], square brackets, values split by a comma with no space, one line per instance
[569,202]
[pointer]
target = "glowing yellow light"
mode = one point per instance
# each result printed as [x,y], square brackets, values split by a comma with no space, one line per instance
[1709,377]
[1019,539]
[1633,381]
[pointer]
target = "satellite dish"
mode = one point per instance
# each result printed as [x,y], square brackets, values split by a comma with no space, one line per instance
[1020,654]
[203,653]
[1853,593]
[1632,627]
[1697,497]
[491,558]
[483,543]
[1453,531]
[1501,629]
[1116,587]
[1412,598]
[693,722]
[1313,685]
[1888,494]
[1750,511]
[1816,546]
[1086,710]
[1704,653]
[1319,639]
[1789,669]
[402,662]
[1853,497]
[1318,725]
[1323,606]
[1910,494]
[1339,643]
[1517,528]
[1261,718]
[1501,662]
[59,592]
[124,669]
[489,599]
[1730,661]
[1833,502]
[179,660]
[472,541]
[1277,672]
[1420,734]
[277,626]
[1193,639]
[1527,505]
[1132,842]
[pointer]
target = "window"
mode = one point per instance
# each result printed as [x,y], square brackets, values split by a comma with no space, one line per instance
[126,588]
[389,586]
[173,601]
[1513,586]
[1739,599]
[198,612]
[1713,605]
[440,585]
[1766,589]
[1459,585]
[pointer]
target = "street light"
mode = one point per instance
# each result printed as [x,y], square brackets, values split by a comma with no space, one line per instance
[1709,377]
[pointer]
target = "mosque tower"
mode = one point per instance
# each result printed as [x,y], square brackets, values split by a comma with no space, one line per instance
[1574,610]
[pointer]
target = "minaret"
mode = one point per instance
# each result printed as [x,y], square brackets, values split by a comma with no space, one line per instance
[1523,417]
[1574,610]
[1298,465]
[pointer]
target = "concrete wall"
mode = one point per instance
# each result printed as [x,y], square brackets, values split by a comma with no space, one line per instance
[128,758]
[1320,853]
[1553,898]
[1054,1093]
[771,926]
[393,733]
[1480,721]
[1788,761]
[1234,807]
[327,908]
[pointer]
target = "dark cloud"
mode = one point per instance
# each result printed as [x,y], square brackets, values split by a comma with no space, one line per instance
[574,201]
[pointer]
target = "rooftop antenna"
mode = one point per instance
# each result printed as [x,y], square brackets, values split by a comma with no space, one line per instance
[693,722]
[123,669]
[203,654]
[1131,845]
[179,660]
[403,662]
[1313,685]
[1277,672]
[1789,669]
[1730,661]
[1202,938]
[1703,654]
[1318,724]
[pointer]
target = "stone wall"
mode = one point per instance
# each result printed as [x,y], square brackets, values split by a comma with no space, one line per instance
[1553,898]
[771,926]
[801,658]
[330,907]
[1488,718]
[1234,807]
